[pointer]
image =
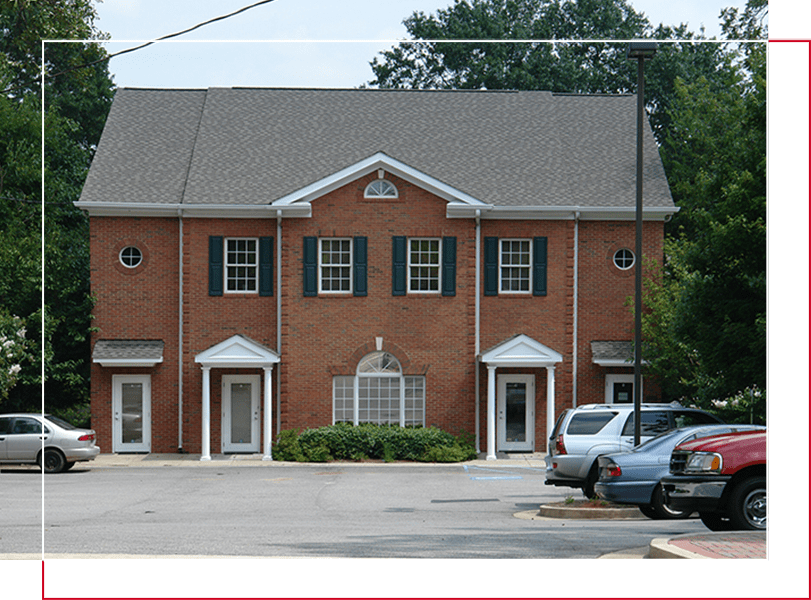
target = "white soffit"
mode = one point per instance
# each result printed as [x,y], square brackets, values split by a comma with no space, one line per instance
[521,351]
[237,351]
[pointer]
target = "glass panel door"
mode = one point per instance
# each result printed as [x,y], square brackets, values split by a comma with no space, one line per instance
[131,413]
[240,413]
[516,413]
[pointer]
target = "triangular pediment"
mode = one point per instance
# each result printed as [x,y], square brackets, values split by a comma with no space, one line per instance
[237,351]
[374,163]
[521,351]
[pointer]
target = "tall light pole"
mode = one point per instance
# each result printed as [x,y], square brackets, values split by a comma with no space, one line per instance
[639,51]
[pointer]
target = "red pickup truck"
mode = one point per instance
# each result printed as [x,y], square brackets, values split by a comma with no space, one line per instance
[723,478]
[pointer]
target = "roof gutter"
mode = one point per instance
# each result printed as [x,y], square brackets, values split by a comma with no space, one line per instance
[211,211]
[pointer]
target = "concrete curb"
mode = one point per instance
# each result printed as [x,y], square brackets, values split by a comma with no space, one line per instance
[662,548]
[607,513]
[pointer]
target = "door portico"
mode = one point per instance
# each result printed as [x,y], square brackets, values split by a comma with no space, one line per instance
[519,351]
[237,351]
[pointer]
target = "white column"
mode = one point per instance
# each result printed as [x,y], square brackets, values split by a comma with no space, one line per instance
[491,412]
[550,403]
[268,413]
[206,414]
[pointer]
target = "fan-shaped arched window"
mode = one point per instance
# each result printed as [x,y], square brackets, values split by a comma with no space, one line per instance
[379,393]
[380,188]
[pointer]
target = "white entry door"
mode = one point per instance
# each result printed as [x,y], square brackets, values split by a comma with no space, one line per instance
[240,413]
[516,413]
[132,413]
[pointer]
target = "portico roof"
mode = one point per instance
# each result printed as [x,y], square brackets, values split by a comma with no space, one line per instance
[521,351]
[237,351]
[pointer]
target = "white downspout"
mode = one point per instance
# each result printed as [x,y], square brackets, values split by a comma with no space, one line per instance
[279,318]
[574,308]
[180,335]
[477,325]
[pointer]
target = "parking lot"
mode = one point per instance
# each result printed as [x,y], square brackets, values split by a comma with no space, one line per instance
[329,510]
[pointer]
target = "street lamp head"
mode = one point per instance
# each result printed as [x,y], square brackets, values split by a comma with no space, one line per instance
[641,50]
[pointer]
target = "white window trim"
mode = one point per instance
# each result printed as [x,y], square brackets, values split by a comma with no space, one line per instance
[613,378]
[140,257]
[438,265]
[633,259]
[501,289]
[321,289]
[227,265]
[368,194]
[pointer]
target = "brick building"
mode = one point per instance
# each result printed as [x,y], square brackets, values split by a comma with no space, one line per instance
[267,259]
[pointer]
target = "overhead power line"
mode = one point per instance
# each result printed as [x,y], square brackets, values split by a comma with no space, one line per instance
[160,39]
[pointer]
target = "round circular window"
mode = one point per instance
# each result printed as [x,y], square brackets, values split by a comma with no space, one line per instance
[623,259]
[130,257]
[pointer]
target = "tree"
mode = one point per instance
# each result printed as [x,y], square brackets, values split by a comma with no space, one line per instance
[713,296]
[77,99]
[568,67]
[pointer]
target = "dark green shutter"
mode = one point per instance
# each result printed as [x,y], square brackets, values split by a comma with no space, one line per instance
[491,266]
[398,266]
[449,266]
[215,265]
[310,266]
[539,266]
[265,266]
[359,261]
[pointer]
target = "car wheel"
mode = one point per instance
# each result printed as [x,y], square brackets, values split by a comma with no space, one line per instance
[648,511]
[54,461]
[588,489]
[747,504]
[662,510]
[715,522]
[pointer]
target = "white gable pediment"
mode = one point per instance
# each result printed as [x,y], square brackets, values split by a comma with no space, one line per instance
[237,351]
[455,198]
[521,351]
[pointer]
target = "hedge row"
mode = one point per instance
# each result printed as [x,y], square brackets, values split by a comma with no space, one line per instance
[345,441]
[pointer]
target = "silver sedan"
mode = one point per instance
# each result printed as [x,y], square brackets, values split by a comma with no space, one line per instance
[53,444]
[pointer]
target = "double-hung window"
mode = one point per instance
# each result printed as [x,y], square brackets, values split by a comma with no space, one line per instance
[423,264]
[515,266]
[335,265]
[241,265]
[515,272]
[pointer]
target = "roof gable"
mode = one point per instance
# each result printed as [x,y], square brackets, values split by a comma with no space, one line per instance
[521,351]
[237,351]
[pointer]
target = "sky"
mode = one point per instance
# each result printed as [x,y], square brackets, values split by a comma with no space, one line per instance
[293,43]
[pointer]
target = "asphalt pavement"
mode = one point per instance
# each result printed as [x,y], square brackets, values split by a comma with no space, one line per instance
[736,544]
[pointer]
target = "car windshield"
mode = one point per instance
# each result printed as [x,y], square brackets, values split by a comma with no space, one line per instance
[60,422]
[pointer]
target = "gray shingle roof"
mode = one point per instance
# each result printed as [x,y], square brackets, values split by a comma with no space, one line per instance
[128,350]
[253,146]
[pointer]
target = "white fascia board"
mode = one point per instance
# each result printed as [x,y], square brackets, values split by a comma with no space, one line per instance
[563,213]
[617,362]
[212,211]
[127,362]
[372,164]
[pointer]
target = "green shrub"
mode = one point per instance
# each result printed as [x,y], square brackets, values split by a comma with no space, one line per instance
[287,446]
[344,441]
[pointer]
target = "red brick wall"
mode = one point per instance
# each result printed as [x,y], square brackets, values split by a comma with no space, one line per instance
[327,335]
[139,304]
[606,298]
